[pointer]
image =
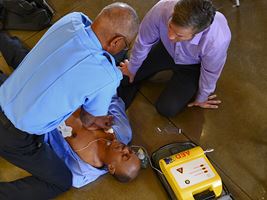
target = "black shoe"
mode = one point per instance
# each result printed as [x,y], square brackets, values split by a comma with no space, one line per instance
[46,6]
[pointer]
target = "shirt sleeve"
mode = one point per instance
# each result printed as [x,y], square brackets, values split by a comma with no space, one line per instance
[77,19]
[148,35]
[98,103]
[121,124]
[211,67]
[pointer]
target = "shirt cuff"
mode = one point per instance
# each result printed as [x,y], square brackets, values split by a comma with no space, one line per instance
[132,69]
[201,98]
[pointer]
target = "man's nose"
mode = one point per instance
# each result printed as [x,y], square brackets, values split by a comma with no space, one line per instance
[171,35]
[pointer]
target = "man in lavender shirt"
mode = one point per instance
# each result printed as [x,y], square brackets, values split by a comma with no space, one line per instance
[190,38]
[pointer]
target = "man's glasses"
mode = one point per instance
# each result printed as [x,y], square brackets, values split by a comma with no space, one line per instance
[127,45]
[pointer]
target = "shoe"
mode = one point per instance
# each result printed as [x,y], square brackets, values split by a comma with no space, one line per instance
[46,6]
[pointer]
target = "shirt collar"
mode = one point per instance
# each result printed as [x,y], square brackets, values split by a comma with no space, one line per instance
[95,41]
[195,40]
[93,37]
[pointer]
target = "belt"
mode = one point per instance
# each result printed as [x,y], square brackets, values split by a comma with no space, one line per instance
[4,120]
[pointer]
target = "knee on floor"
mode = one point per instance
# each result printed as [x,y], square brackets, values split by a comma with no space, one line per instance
[167,110]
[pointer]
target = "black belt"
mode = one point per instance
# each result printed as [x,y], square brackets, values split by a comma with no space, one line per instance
[4,120]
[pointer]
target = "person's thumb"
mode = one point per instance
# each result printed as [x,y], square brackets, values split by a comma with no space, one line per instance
[131,78]
[122,64]
[190,105]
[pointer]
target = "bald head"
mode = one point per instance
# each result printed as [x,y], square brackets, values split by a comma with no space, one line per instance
[122,162]
[116,19]
[119,18]
[128,171]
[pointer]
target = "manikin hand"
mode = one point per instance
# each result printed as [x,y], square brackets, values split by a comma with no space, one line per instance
[100,122]
[125,71]
[91,122]
[210,103]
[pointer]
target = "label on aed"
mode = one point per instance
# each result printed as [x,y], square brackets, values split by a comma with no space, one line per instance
[192,172]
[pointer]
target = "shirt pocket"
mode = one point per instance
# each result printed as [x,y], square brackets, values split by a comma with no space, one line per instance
[185,54]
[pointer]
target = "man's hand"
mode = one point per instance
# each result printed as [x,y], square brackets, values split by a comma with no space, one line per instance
[104,122]
[210,103]
[125,71]
[91,122]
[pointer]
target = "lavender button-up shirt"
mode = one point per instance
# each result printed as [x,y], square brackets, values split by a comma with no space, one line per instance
[208,47]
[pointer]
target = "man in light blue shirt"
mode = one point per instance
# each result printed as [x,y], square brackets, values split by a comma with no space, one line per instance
[70,67]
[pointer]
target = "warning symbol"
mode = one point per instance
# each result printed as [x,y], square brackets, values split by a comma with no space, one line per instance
[180,170]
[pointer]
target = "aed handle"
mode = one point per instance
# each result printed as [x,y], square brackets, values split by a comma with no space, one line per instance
[205,195]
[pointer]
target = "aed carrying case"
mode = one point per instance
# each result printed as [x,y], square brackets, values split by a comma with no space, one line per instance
[187,174]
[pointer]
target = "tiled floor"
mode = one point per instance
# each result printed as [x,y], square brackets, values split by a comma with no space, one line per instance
[236,130]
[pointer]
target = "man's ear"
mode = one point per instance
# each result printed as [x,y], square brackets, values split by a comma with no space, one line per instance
[111,169]
[115,41]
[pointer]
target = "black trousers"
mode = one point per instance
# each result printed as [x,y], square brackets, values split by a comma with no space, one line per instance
[49,174]
[180,89]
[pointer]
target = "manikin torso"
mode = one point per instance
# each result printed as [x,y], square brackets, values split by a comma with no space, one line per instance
[84,142]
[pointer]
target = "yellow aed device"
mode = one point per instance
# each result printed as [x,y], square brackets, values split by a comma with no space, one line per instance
[189,173]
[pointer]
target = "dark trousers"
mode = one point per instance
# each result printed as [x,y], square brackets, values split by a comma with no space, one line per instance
[180,89]
[12,50]
[50,176]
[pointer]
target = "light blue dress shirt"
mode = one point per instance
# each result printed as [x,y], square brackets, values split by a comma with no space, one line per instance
[83,173]
[67,68]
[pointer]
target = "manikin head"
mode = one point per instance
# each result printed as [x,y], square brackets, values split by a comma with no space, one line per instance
[121,161]
[116,26]
[189,18]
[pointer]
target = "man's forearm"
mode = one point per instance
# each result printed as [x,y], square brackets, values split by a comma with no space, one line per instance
[86,118]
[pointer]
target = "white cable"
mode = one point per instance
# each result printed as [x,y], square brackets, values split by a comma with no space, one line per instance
[208,151]
[89,143]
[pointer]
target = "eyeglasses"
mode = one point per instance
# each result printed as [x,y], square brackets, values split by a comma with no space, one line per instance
[127,45]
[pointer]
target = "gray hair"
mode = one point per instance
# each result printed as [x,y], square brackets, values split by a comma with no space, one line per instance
[121,18]
[198,14]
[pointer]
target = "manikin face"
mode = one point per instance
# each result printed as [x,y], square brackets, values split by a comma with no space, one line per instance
[123,159]
[178,33]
